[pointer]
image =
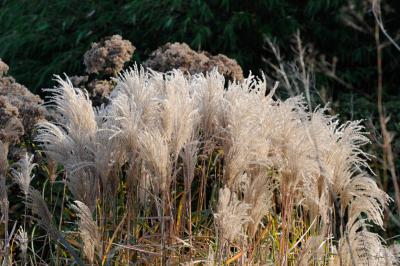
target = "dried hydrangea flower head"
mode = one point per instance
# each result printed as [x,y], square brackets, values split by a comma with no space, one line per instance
[11,128]
[108,56]
[20,110]
[181,56]
[226,66]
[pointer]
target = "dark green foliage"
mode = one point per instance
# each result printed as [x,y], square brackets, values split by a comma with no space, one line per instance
[41,38]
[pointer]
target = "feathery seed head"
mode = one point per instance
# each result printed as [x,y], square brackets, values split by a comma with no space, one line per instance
[22,174]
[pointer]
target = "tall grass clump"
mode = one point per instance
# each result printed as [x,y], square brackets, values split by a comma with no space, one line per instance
[179,168]
[188,169]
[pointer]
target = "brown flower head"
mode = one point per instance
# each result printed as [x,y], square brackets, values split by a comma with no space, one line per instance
[181,56]
[108,56]
[20,110]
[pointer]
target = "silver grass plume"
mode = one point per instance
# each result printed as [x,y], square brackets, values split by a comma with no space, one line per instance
[83,186]
[242,143]
[22,173]
[88,230]
[71,140]
[134,102]
[178,113]
[144,185]
[208,94]
[231,216]
[134,106]
[22,240]
[366,198]
[258,194]
[41,213]
[189,158]
[361,247]
[154,150]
